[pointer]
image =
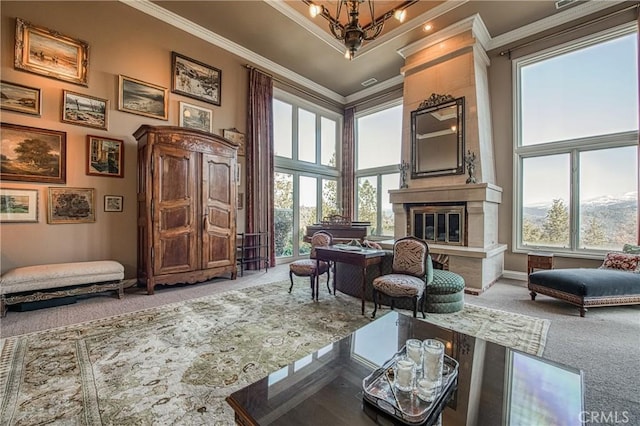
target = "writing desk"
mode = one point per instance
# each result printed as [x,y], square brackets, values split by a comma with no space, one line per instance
[363,258]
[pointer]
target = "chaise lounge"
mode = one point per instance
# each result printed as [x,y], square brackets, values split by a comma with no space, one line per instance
[617,282]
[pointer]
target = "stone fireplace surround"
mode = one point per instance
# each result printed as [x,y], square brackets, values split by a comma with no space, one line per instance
[481,260]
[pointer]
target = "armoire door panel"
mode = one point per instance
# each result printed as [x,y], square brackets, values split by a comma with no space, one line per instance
[219,217]
[176,217]
[176,171]
[218,172]
[174,210]
[218,201]
[175,254]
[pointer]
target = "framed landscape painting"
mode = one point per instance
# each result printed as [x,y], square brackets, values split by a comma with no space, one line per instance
[84,110]
[237,137]
[18,205]
[195,117]
[49,53]
[31,154]
[138,97]
[71,205]
[195,79]
[105,156]
[19,98]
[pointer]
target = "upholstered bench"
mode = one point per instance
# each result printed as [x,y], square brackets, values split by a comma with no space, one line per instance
[587,287]
[44,282]
[445,293]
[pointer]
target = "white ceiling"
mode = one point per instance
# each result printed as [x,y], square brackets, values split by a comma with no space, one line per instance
[279,36]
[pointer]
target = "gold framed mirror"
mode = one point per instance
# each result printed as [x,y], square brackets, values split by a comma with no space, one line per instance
[437,137]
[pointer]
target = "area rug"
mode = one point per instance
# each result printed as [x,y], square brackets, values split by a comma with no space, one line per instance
[175,364]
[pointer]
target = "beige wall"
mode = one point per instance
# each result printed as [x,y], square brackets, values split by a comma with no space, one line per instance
[122,41]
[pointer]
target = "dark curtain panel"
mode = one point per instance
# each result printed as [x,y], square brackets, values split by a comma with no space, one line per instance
[260,211]
[348,163]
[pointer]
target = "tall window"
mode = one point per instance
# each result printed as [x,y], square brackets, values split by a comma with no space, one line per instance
[306,174]
[577,145]
[378,147]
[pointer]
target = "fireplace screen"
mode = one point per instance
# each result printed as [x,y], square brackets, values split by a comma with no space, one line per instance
[438,224]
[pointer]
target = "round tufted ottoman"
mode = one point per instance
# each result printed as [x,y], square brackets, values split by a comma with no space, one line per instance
[445,294]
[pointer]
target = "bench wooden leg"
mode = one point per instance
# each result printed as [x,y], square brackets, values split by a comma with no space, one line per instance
[533,295]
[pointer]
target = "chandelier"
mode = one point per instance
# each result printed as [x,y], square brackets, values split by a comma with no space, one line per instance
[351,32]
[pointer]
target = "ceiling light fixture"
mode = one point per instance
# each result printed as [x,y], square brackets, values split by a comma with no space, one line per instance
[351,32]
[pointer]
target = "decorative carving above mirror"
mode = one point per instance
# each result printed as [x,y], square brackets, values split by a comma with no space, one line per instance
[437,137]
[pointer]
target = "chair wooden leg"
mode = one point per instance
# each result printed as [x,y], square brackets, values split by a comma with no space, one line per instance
[291,278]
[328,278]
[313,286]
[375,303]
[415,306]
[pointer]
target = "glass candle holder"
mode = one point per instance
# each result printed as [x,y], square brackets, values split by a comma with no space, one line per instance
[433,359]
[404,372]
[414,352]
[426,389]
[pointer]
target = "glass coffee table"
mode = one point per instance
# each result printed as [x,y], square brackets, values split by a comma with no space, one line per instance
[496,385]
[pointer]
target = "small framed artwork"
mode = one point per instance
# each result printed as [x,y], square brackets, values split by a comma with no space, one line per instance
[18,205]
[84,110]
[237,137]
[113,203]
[49,53]
[71,205]
[19,98]
[138,97]
[195,117]
[105,156]
[240,201]
[195,79]
[31,154]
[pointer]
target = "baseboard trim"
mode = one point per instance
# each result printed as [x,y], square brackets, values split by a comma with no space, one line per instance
[515,275]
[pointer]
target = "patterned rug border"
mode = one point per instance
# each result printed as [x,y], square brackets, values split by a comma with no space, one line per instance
[543,332]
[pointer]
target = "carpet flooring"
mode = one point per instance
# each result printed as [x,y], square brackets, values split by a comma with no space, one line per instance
[175,364]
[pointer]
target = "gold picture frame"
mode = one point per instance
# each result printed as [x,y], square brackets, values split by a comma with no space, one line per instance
[237,137]
[18,98]
[85,110]
[71,205]
[18,205]
[30,154]
[46,52]
[138,97]
[195,117]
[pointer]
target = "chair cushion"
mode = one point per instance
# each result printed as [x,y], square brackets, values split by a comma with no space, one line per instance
[409,257]
[399,285]
[445,282]
[306,267]
[631,249]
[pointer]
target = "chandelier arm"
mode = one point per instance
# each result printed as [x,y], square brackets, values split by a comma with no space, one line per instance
[337,30]
[376,32]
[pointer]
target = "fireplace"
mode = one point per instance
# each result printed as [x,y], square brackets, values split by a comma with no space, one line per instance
[438,224]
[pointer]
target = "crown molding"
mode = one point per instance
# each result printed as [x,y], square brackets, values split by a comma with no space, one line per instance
[164,15]
[575,12]
[473,23]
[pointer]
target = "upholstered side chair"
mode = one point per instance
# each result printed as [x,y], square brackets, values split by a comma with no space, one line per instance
[408,277]
[310,267]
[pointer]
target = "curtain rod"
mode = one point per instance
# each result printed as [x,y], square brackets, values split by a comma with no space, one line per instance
[569,30]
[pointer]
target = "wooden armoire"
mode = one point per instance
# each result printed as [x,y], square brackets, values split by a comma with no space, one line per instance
[187,198]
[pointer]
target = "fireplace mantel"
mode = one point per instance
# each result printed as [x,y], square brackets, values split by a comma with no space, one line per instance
[450,193]
[481,260]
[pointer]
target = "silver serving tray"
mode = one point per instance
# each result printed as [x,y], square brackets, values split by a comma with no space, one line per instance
[406,406]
